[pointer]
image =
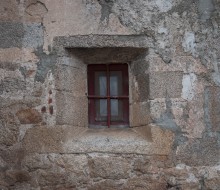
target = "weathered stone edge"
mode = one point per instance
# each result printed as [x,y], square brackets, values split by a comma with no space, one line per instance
[92,41]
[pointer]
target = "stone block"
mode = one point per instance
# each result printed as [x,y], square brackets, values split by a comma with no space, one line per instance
[29,116]
[107,54]
[18,175]
[16,55]
[107,184]
[20,35]
[3,165]
[143,87]
[40,139]
[199,152]
[50,139]
[145,183]
[157,108]
[33,35]
[162,140]
[9,11]
[109,167]
[139,88]
[109,140]
[55,169]
[21,186]
[76,167]
[51,178]
[142,166]
[12,85]
[139,114]
[190,186]
[139,66]
[71,110]
[73,162]
[12,155]
[8,66]
[8,134]
[33,162]
[88,41]
[71,139]
[9,131]
[213,183]
[163,84]
[11,34]
[212,108]
[71,79]
[3,185]
[144,132]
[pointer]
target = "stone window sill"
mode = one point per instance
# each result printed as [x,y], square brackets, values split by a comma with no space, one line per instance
[149,140]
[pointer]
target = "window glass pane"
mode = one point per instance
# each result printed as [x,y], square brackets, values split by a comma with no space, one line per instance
[103,107]
[101,110]
[116,110]
[115,83]
[114,107]
[108,89]
[100,84]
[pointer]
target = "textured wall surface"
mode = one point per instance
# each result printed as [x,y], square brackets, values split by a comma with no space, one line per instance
[173,51]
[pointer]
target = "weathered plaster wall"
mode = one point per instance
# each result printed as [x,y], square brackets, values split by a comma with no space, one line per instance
[174,95]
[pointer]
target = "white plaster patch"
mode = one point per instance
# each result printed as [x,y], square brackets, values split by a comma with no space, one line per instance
[162,44]
[189,42]
[192,178]
[162,30]
[23,129]
[164,5]
[217,167]
[182,167]
[189,83]
[49,85]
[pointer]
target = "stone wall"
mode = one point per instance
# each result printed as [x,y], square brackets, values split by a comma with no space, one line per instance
[173,51]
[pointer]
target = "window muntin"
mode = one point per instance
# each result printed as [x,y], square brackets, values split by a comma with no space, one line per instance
[108,95]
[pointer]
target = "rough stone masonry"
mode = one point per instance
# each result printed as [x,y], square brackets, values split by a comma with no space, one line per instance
[172,48]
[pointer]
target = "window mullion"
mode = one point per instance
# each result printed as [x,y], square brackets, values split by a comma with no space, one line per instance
[108,95]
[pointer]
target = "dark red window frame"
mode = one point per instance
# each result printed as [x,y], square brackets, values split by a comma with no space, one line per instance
[123,97]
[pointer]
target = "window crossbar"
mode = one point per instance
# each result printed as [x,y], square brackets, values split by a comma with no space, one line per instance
[107,97]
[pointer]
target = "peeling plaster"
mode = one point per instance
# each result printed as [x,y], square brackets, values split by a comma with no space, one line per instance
[189,42]
[38,9]
[188,83]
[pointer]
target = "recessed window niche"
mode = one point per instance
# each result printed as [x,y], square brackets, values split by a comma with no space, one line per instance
[71,132]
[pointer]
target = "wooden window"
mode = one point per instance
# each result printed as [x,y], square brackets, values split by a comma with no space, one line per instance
[108,95]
